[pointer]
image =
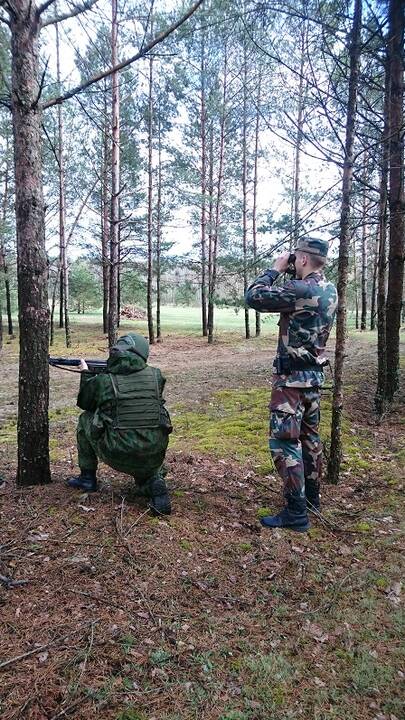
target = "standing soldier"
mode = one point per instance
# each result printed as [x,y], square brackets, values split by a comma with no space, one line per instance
[307,306]
[125,423]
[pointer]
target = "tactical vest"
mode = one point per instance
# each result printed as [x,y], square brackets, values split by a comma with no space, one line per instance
[137,400]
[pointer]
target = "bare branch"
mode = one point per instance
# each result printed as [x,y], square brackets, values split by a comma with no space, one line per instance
[141,53]
[45,6]
[78,10]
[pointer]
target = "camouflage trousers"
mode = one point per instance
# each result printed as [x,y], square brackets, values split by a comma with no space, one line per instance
[295,444]
[90,450]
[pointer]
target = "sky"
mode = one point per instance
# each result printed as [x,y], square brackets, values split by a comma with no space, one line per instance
[77,32]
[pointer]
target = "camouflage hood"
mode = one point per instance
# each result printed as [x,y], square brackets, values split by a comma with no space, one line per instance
[128,355]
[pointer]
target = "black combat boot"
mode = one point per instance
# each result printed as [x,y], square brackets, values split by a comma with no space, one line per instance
[86,481]
[160,499]
[293,517]
[312,495]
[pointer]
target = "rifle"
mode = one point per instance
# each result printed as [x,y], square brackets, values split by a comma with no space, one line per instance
[95,366]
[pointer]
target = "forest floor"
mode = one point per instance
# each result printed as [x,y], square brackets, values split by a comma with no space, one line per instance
[204,615]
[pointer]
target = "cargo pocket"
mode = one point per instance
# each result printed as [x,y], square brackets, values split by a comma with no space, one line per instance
[284,426]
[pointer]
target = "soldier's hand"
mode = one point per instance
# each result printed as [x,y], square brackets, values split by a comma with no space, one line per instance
[281,264]
[83,365]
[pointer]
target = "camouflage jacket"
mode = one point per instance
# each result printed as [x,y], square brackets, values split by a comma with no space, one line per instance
[307,309]
[121,448]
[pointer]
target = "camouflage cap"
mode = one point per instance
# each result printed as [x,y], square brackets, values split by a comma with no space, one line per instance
[132,342]
[312,246]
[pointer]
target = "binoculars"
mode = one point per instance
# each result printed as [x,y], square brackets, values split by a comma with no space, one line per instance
[291,265]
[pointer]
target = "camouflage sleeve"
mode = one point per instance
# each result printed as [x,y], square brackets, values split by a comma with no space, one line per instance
[263,296]
[87,397]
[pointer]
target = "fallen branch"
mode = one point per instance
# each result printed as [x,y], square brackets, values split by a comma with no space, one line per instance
[10,583]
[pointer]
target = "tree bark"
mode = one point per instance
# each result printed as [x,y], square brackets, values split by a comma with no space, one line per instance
[363,321]
[203,139]
[356,287]
[218,203]
[149,291]
[255,182]
[396,195]
[380,395]
[298,142]
[62,207]
[32,268]
[335,456]
[374,283]
[3,256]
[115,185]
[245,189]
[159,231]
[105,204]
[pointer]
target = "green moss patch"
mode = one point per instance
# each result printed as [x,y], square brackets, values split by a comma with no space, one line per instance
[235,424]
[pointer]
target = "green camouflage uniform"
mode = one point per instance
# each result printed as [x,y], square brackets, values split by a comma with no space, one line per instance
[307,309]
[136,451]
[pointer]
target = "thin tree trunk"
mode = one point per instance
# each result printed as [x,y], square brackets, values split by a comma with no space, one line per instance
[218,202]
[298,141]
[61,285]
[53,304]
[374,283]
[210,223]
[255,181]
[149,292]
[203,139]
[115,185]
[3,256]
[343,267]
[356,286]
[396,195]
[62,205]
[105,234]
[244,189]
[159,231]
[363,322]
[32,268]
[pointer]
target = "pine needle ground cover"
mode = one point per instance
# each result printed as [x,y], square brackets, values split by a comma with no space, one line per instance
[204,615]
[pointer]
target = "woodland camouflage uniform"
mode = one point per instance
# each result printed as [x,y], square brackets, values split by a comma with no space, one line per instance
[307,309]
[125,423]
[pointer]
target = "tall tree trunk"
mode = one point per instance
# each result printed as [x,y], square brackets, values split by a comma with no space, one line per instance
[32,268]
[105,204]
[203,138]
[115,185]
[53,304]
[218,204]
[396,195]
[210,315]
[62,204]
[374,283]
[245,189]
[298,141]
[343,267]
[61,293]
[356,285]
[255,181]
[159,230]
[380,395]
[3,256]
[149,291]
[363,322]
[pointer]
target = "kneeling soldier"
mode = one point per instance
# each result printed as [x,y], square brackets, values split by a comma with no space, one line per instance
[307,306]
[125,423]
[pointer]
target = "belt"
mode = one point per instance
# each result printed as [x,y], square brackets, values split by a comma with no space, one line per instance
[285,365]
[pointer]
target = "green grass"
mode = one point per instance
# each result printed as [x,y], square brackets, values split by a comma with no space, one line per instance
[235,424]
[184,321]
